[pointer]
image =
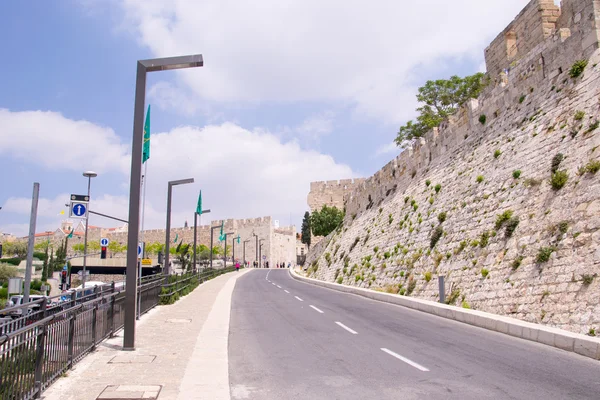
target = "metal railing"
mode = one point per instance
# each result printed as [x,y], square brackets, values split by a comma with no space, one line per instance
[54,333]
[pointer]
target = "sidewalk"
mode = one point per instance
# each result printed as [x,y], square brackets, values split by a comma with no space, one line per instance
[181,353]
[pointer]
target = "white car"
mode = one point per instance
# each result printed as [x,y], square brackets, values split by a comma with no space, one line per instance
[17,300]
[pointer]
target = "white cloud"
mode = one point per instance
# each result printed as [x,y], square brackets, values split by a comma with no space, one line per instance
[49,139]
[347,52]
[242,173]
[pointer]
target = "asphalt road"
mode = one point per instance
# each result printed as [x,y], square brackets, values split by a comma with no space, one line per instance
[292,340]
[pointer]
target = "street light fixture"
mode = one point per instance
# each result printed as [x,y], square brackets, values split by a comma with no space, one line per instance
[89,175]
[143,67]
[167,269]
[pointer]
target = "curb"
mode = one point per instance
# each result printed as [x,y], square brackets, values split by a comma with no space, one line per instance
[574,342]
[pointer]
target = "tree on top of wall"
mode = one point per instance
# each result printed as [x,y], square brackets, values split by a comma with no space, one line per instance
[323,222]
[440,99]
[306,229]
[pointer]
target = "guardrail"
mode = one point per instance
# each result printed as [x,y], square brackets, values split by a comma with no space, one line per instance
[56,332]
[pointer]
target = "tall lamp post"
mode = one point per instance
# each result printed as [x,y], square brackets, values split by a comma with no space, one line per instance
[233,243]
[244,256]
[260,253]
[168,242]
[143,67]
[89,175]
[212,228]
[256,250]
[225,250]
[195,234]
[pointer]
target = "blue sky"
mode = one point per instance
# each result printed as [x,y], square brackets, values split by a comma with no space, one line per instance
[291,92]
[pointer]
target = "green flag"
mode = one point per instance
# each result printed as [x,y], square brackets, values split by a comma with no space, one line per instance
[221,234]
[146,149]
[238,239]
[71,234]
[176,238]
[199,206]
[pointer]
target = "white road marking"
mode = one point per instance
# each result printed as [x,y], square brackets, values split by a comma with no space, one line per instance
[298,298]
[285,291]
[273,283]
[406,360]
[352,331]
[267,277]
[316,309]
[278,286]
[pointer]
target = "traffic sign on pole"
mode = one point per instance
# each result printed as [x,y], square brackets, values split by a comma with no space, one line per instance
[78,209]
[140,250]
[104,242]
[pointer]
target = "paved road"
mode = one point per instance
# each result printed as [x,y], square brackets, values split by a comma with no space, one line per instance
[292,340]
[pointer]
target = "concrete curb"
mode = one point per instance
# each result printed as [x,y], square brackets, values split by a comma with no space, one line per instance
[584,345]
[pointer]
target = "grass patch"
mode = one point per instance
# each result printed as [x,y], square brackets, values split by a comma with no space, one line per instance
[482,119]
[516,173]
[497,153]
[442,216]
[577,68]
[435,236]
[579,115]
[479,178]
[427,276]
[516,263]
[559,179]
[544,254]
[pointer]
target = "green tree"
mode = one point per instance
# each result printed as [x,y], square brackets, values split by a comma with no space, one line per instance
[7,271]
[440,99]
[323,222]
[78,247]
[15,249]
[306,229]
[182,254]
[202,252]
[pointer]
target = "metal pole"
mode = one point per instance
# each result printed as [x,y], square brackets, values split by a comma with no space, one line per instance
[87,218]
[256,250]
[134,208]
[442,289]
[233,247]
[30,244]
[225,253]
[211,247]
[195,237]
[168,242]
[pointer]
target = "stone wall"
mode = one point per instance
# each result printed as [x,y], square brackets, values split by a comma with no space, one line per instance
[532,114]
[331,193]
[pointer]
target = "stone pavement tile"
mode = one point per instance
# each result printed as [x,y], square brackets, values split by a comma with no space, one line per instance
[171,343]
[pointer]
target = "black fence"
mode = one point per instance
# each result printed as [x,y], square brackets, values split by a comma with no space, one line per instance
[47,336]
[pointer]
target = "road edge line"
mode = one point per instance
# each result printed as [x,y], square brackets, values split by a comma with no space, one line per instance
[569,341]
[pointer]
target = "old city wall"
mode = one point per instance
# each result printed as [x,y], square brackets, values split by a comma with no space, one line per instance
[331,193]
[284,245]
[531,115]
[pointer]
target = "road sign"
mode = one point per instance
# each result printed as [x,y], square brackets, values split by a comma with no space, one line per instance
[87,272]
[140,250]
[264,257]
[104,242]
[80,197]
[146,261]
[78,209]
[64,267]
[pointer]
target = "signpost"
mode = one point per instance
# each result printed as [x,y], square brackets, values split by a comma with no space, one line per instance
[104,242]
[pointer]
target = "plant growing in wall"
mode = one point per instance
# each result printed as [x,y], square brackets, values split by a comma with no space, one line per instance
[482,119]
[577,68]
[437,188]
[559,179]
[544,254]
[436,234]
[479,178]
[516,173]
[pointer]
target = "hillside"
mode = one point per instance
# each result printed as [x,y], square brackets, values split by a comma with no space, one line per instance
[476,199]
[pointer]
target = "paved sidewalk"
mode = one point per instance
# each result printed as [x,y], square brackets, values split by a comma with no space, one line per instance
[172,343]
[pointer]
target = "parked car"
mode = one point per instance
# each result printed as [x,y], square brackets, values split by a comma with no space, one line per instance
[17,300]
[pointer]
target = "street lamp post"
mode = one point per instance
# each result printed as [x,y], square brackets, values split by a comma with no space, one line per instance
[168,242]
[244,256]
[143,67]
[225,251]
[212,228]
[260,253]
[256,250]
[195,234]
[89,175]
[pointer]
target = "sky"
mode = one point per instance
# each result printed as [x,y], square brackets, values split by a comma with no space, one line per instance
[290,92]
